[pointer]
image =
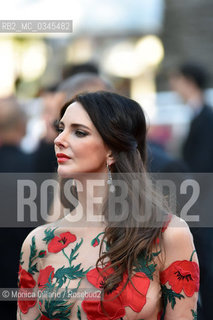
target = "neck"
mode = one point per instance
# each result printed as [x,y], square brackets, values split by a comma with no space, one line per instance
[92,191]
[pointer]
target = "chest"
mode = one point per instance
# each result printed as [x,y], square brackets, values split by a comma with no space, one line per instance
[71,286]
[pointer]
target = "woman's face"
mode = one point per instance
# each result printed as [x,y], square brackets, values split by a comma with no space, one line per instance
[79,147]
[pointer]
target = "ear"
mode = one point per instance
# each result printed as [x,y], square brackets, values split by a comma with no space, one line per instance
[110,159]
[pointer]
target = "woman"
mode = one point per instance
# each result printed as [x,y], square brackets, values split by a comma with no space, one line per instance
[134,260]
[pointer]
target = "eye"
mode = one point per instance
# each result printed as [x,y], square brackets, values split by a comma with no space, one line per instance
[59,129]
[80,133]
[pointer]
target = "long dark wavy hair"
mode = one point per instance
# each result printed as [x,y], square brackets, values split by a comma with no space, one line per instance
[121,123]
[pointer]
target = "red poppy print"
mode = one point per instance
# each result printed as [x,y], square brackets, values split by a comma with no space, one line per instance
[165,226]
[26,282]
[182,275]
[159,315]
[114,303]
[95,243]
[44,275]
[156,241]
[42,254]
[60,242]
[19,269]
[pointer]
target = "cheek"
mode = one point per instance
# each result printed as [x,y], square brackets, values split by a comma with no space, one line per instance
[91,150]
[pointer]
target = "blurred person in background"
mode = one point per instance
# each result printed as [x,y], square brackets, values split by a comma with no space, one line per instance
[12,160]
[72,69]
[45,160]
[189,81]
[164,166]
[82,82]
[51,106]
[12,130]
[159,160]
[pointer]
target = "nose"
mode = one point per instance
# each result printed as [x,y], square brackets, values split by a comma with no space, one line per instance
[60,141]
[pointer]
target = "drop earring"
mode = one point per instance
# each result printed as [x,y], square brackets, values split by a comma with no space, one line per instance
[109,180]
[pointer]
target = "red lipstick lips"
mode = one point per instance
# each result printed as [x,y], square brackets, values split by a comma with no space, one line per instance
[62,157]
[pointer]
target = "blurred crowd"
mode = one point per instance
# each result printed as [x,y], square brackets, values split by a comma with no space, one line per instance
[28,130]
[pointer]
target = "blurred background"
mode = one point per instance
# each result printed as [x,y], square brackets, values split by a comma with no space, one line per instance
[135,48]
[135,44]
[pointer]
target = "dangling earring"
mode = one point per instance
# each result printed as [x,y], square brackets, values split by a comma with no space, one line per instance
[109,180]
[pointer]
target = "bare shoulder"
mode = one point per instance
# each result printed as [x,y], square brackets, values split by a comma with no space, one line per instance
[177,230]
[178,241]
[37,236]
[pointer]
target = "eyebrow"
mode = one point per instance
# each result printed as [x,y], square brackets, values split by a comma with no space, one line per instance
[75,125]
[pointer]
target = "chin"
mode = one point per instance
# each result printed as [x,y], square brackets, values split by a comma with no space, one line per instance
[67,173]
[63,173]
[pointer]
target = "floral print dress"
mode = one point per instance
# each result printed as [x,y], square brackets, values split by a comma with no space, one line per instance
[58,276]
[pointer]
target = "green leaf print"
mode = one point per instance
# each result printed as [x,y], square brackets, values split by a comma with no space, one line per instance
[96,241]
[33,269]
[169,296]
[79,313]
[21,255]
[49,285]
[70,273]
[49,235]
[58,308]
[33,251]
[60,276]
[42,254]
[74,250]
[145,264]
[194,314]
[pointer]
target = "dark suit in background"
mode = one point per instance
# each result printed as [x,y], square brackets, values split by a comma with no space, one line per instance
[198,154]
[198,146]
[160,161]
[12,160]
[45,159]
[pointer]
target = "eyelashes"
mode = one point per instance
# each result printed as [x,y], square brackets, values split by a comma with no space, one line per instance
[78,133]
